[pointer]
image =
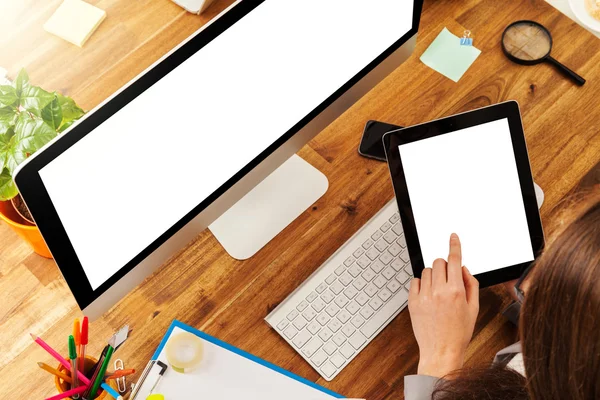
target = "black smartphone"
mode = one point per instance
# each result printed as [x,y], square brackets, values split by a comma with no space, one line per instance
[371,144]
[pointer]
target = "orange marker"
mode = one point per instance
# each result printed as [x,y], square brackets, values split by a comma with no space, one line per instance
[77,337]
[55,372]
[120,373]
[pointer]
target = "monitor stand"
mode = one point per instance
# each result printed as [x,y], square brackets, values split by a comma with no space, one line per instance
[269,207]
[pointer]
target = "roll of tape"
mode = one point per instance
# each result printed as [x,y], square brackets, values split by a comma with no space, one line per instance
[184,352]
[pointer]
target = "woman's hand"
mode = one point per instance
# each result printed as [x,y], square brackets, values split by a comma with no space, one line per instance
[443,307]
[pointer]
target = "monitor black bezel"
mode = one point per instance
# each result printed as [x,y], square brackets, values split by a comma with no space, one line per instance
[507,110]
[40,205]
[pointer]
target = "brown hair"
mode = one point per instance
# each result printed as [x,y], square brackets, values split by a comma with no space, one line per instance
[560,322]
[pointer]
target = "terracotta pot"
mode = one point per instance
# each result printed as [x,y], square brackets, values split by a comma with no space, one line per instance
[62,386]
[30,233]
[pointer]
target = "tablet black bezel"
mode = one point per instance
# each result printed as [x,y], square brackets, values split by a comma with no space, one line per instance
[508,110]
[40,205]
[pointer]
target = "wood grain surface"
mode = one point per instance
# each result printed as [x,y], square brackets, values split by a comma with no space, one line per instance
[203,286]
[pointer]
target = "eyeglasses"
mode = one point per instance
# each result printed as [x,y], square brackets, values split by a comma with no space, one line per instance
[518,290]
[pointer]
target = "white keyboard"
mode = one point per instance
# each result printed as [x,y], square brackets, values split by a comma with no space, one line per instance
[349,299]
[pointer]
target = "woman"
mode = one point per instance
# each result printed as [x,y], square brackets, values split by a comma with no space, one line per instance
[559,323]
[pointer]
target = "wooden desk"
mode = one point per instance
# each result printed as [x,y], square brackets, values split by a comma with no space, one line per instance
[203,286]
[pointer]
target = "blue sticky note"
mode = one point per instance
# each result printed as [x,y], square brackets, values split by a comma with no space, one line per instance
[448,57]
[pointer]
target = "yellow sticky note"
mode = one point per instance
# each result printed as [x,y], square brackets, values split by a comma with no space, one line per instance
[75,21]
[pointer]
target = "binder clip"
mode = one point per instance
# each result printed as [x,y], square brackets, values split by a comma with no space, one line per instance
[466,39]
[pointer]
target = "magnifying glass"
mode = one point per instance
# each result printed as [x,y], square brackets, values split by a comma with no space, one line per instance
[529,43]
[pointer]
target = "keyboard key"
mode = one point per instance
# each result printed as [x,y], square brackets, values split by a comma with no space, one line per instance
[314,327]
[359,283]
[292,315]
[357,340]
[358,252]
[381,245]
[340,270]
[377,235]
[334,325]
[328,369]
[384,294]
[409,269]
[368,243]
[321,288]
[330,348]
[371,290]
[388,273]
[395,249]
[312,347]
[339,339]
[398,229]
[350,292]
[402,277]
[362,299]
[395,218]
[311,297]
[346,279]
[380,281]
[281,325]
[358,321]
[404,256]
[402,241]
[348,262]
[377,266]
[300,323]
[363,262]
[325,334]
[347,350]
[393,286]
[390,308]
[338,360]
[332,310]
[341,301]
[344,316]
[368,275]
[319,358]
[302,306]
[386,227]
[348,330]
[309,314]
[327,296]
[330,279]
[336,287]
[323,319]
[290,332]
[376,303]
[318,305]
[390,237]
[367,312]
[352,308]
[386,258]
[354,270]
[397,264]
[372,253]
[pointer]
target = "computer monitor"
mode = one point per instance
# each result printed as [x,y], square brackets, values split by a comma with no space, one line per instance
[146,171]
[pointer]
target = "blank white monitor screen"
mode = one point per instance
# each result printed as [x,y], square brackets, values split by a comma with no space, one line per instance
[142,170]
[466,182]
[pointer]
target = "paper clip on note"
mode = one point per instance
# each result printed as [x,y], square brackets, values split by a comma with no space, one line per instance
[466,39]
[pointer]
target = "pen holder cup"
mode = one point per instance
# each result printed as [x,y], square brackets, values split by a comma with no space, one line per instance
[88,364]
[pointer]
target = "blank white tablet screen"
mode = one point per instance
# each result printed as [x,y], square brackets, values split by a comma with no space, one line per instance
[138,173]
[466,182]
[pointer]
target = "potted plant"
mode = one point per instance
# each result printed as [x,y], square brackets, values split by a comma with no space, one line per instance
[29,118]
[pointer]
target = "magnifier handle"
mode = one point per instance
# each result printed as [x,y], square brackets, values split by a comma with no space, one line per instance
[571,74]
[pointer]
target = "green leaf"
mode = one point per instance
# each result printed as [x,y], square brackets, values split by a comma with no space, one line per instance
[21,82]
[34,99]
[30,135]
[8,95]
[8,190]
[52,114]
[70,111]
[8,117]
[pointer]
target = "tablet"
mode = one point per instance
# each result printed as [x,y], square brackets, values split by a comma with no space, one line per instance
[468,174]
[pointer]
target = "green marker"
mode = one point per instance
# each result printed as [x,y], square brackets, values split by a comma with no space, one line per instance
[100,377]
[73,357]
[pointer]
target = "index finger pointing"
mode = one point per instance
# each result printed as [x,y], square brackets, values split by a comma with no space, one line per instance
[455,260]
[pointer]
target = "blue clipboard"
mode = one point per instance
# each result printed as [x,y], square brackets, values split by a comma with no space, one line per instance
[227,346]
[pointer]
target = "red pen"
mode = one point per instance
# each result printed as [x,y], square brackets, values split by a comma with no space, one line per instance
[83,341]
